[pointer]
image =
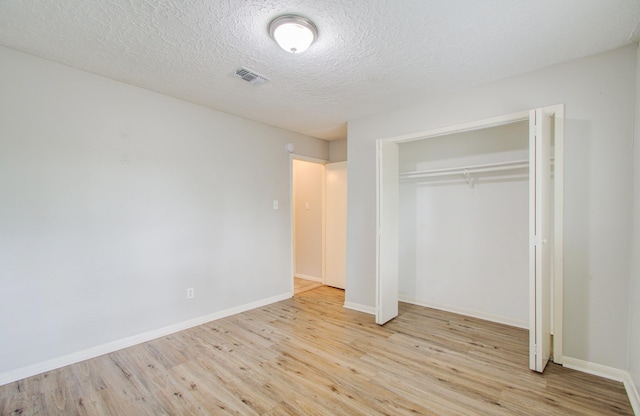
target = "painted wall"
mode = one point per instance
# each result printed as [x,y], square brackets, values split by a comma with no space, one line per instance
[308,196]
[338,150]
[463,248]
[634,291]
[600,100]
[336,224]
[115,200]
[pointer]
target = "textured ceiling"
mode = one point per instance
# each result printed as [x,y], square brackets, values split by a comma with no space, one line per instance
[371,55]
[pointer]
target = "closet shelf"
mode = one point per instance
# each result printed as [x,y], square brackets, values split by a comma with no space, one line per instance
[466,170]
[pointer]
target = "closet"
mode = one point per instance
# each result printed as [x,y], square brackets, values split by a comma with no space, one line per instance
[451,223]
[463,223]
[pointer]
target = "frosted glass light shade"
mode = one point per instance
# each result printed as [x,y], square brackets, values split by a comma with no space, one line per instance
[293,33]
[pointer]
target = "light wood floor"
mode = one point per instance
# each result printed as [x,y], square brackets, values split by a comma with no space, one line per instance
[310,356]
[302,285]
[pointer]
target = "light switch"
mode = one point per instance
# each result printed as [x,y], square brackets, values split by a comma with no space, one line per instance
[275,204]
[306,205]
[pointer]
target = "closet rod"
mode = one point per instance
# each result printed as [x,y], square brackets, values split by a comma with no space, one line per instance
[473,182]
[488,167]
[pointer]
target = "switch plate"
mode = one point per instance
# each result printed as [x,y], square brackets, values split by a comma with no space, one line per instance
[190,293]
[275,204]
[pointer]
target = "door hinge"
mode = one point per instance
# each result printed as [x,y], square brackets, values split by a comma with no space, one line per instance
[538,241]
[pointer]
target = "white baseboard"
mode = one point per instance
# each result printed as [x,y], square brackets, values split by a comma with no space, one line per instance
[609,373]
[632,392]
[308,277]
[42,367]
[360,308]
[468,312]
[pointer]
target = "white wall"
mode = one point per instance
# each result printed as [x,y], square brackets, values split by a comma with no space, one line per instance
[600,101]
[308,197]
[338,150]
[634,290]
[466,249]
[115,199]
[336,224]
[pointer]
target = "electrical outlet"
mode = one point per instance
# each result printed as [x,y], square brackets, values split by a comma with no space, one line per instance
[190,293]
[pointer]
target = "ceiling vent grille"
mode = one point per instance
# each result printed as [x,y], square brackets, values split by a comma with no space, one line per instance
[250,76]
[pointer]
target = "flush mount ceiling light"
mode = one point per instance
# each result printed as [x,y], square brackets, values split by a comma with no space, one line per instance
[293,33]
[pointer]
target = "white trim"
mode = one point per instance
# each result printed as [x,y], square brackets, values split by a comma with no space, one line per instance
[323,217]
[460,128]
[310,278]
[378,216]
[292,224]
[632,392]
[360,308]
[608,373]
[534,277]
[42,367]
[467,312]
[307,158]
[558,230]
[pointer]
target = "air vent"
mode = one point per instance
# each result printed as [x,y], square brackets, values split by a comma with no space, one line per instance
[250,76]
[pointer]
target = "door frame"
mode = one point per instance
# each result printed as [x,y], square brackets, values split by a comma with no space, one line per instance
[558,206]
[292,157]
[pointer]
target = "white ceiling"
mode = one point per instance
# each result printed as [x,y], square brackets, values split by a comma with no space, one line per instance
[371,55]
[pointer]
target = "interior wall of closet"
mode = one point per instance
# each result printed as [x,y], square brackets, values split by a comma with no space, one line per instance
[464,223]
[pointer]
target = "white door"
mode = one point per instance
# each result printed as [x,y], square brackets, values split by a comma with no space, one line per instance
[336,224]
[387,239]
[540,233]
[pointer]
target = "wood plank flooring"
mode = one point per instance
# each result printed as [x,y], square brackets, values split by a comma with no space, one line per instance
[302,285]
[310,356]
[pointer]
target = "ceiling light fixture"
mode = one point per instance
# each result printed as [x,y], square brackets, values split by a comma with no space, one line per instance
[293,33]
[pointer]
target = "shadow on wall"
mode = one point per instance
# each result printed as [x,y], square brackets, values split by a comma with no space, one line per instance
[577,235]
[407,243]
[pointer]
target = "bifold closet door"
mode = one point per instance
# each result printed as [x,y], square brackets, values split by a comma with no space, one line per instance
[336,224]
[540,233]
[387,233]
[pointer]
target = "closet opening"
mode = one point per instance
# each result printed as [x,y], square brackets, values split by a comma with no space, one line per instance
[470,221]
[464,223]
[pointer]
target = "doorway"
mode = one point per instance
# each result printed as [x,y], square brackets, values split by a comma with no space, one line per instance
[318,218]
[542,261]
[308,220]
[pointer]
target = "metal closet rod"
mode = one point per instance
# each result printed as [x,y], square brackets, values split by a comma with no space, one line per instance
[466,170]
